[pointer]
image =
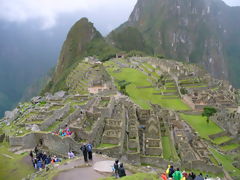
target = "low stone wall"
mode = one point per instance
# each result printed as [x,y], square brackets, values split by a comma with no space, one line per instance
[50,142]
[56,116]
[157,161]
[111,152]
[214,136]
[133,158]
[28,141]
[202,166]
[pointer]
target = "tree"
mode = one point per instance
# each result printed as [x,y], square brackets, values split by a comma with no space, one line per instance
[208,112]
[122,85]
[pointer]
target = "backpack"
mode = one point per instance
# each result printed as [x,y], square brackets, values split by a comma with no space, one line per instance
[89,148]
[83,148]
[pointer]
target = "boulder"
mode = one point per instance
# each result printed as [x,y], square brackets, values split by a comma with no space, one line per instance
[36,99]
[238,110]
[11,115]
[236,164]
[60,94]
[35,128]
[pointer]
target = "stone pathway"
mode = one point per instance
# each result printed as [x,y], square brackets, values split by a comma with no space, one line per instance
[100,167]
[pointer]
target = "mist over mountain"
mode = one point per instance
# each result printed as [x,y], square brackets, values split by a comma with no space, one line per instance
[26,54]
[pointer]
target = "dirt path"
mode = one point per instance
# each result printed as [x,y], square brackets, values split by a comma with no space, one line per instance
[79,170]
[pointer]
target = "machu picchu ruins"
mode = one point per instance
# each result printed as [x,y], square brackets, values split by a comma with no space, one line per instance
[156,98]
[152,124]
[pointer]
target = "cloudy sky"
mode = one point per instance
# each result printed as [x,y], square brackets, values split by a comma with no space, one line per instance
[106,14]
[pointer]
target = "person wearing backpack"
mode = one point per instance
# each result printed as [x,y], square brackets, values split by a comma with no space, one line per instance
[116,167]
[85,152]
[121,171]
[89,150]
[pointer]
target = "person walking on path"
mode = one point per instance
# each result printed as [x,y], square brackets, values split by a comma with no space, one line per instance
[85,152]
[116,168]
[31,155]
[177,175]
[89,150]
[171,171]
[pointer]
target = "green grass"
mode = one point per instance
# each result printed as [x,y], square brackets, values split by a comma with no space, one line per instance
[54,126]
[15,168]
[138,176]
[222,139]
[226,161]
[169,151]
[229,147]
[106,146]
[200,125]
[103,103]
[144,96]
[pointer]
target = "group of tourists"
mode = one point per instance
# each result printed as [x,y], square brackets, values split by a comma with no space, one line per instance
[87,151]
[118,169]
[176,174]
[41,160]
[63,132]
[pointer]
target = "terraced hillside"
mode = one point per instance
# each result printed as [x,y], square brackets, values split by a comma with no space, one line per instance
[145,110]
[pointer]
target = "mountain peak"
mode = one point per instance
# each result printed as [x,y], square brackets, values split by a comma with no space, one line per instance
[202,32]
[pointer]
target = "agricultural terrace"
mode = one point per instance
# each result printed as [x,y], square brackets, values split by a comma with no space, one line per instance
[142,89]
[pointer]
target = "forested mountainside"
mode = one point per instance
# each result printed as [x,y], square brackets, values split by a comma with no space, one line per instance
[205,32]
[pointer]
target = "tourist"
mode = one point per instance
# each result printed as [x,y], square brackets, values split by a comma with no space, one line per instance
[35,163]
[199,177]
[185,175]
[48,160]
[55,159]
[177,175]
[89,150]
[164,176]
[31,155]
[121,171]
[191,176]
[44,157]
[36,150]
[71,155]
[116,167]
[167,171]
[171,171]
[85,153]
[39,165]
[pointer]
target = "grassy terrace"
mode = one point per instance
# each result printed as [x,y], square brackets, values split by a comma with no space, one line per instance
[226,161]
[138,176]
[169,151]
[143,96]
[200,125]
[12,166]
[222,139]
[101,146]
[229,147]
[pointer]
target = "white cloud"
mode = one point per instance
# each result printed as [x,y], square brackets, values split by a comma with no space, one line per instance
[108,13]
[49,10]
[232,2]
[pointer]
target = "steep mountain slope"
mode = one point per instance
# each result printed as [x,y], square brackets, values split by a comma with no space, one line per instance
[82,40]
[203,32]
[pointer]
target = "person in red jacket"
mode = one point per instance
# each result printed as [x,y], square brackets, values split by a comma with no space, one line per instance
[164,176]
